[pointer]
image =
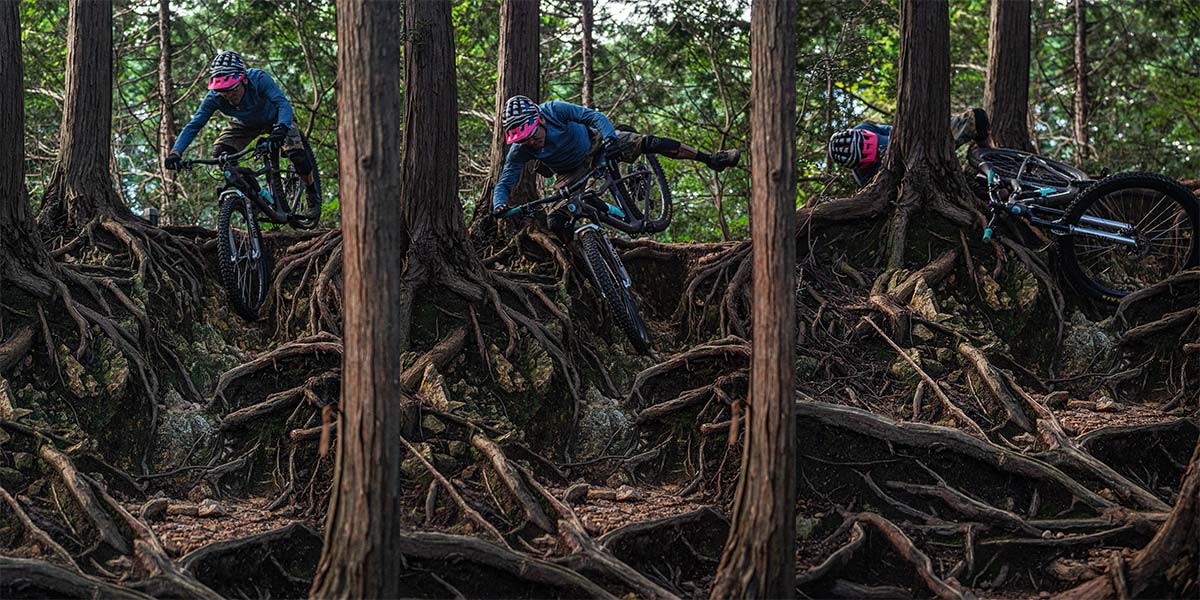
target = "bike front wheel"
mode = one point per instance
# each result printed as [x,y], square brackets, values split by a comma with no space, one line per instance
[242,259]
[604,272]
[1158,214]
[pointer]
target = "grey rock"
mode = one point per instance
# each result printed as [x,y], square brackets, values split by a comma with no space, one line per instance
[576,493]
[181,425]
[154,509]
[1086,347]
[602,420]
[211,508]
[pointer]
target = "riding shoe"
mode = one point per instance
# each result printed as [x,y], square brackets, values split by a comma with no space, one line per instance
[314,202]
[719,161]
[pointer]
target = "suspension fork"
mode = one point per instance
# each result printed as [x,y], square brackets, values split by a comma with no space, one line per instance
[247,208]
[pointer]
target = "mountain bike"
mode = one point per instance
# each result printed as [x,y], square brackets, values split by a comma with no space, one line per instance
[1114,235]
[640,204]
[243,260]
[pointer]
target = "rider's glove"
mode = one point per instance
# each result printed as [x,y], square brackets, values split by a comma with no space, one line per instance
[278,134]
[499,209]
[173,161]
[613,149]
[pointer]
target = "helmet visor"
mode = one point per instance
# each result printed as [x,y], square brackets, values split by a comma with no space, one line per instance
[522,132]
[221,83]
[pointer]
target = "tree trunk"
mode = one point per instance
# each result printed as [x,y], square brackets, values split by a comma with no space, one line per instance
[588,76]
[81,187]
[920,154]
[166,122]
[759,556]
[1081,82]
[517,74]
[1006,91]
[436,245]
[360,558]
[20,244]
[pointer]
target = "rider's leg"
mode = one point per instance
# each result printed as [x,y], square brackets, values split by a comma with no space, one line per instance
[233,138]
[652,144]
[293,148]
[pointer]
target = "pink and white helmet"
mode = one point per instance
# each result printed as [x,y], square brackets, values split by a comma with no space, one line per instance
[520,119]
[226,71]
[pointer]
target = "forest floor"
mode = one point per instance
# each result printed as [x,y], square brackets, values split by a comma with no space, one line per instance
[965,429]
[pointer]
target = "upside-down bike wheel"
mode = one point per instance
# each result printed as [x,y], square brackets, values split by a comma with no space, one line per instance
[1164,217]
[602,267]
[1043,171]
[645,188]
[242,258]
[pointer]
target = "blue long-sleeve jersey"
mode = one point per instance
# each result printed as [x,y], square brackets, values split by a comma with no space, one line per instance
[263,104]
[864,175]
[567,144]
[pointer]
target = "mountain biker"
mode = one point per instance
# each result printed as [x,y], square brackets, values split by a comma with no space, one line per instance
[564,138]
[258,107]
[861,149]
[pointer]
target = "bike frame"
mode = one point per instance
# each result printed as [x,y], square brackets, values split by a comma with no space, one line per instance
[1029,204]
[236,181]
[580,202]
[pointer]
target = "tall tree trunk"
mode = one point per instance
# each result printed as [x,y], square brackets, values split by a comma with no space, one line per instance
[517,74]
[920,153]
[588,76]
[166,113]
[81,187]
[759,556]
[436,248]
[360,559]
[1006,90]
[1081,82]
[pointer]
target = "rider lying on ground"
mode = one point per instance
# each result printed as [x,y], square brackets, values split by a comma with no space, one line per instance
[861,149]
[563,138]
[258,107]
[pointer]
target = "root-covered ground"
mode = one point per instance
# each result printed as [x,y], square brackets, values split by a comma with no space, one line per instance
[965,427]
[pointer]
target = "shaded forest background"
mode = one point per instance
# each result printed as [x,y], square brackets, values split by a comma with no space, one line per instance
[676,68]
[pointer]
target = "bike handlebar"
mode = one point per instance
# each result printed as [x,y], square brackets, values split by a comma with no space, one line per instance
[262,146]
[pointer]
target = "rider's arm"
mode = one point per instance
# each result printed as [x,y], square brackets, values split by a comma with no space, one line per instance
[268,87]
[514,163]
[565,111]
[203,114]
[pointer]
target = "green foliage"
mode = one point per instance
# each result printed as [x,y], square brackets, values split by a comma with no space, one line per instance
[676,68]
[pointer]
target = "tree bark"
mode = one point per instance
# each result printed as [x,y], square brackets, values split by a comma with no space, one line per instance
[166,98]
[436,245]
[1081,82]
[81,187]
[1006,90]
[20,243]
[361,558]
[759,556]
[920,154]
[586,97]
[518,72]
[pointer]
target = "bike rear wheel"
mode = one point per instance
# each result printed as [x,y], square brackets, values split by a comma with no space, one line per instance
[602,267]
[1164,217]
[645,189]
[293,190]
[242,259]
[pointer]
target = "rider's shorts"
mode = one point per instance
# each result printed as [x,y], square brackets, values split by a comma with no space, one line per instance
[631,149]
[238,135]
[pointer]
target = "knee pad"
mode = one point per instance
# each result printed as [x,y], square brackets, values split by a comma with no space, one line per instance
[652,144]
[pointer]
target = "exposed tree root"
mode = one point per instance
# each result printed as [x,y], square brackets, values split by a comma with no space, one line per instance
[25,578]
